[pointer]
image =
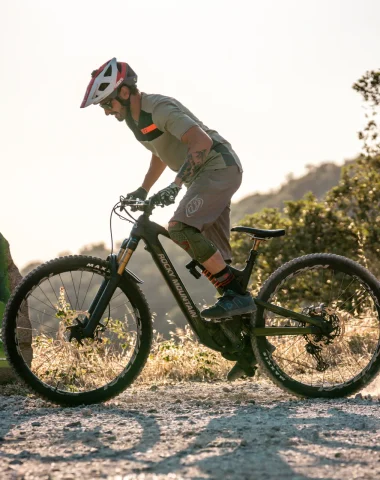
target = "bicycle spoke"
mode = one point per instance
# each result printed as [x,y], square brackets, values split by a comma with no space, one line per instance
[89,285]
[43,303]
[52,306]
[36,369]
[352,281]
[75,291]
[60,366]
[355,319]
[332,282]
[66,291]
[53,290]
[115,308]
[42,313]
[80,282]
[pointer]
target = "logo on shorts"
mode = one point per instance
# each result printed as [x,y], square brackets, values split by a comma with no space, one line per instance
[193,206]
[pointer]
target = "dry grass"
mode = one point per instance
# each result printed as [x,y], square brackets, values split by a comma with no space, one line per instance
[96,362]
[182,358]
[348,354]
[80,367]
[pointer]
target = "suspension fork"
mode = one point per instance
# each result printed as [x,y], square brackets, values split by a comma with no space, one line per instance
[107,288]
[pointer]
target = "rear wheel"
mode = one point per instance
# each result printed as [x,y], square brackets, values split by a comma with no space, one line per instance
[56,296]
[341,292]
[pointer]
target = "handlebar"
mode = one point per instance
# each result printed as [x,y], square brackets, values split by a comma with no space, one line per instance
[126,202]
[146,206]
[136,204]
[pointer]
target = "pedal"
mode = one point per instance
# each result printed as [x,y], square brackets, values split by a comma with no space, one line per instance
[191,266]
[217,320]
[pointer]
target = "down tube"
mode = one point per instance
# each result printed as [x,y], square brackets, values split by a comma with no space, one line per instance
[181,295]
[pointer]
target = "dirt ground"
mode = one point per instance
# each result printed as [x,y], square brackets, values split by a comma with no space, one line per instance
[198,430]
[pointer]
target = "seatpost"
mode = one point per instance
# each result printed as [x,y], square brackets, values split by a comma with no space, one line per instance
[256,242]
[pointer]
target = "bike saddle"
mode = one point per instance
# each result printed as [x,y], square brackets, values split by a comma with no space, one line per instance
[259,233]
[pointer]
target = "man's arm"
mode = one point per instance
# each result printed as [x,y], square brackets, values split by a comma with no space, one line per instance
[199,146]
[157,166]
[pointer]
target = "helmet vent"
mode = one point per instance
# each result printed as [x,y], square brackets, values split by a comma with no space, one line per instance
[108,72]
[103,86]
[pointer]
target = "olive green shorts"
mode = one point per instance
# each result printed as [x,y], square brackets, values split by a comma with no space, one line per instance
[206,206]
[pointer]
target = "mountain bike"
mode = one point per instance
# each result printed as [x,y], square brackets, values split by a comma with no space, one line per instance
[315,332]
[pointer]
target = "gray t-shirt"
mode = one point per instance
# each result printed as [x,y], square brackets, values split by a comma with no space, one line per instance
[162,123]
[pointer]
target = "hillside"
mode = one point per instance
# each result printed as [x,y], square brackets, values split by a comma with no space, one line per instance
[318,180]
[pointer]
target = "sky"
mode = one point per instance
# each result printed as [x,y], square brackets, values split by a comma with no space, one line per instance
[274,78]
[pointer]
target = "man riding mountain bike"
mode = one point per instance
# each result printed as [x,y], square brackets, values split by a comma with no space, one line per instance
[203,161]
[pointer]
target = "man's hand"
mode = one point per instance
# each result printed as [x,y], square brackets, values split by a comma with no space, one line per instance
[167,195]
[139,194]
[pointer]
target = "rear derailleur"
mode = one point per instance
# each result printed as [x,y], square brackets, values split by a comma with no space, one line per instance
[315,351]
[316,343]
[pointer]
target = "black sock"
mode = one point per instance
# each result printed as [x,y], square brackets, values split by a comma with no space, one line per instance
[227,281]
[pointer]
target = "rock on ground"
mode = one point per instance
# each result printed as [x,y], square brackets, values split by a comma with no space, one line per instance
[10,277]
[192,431]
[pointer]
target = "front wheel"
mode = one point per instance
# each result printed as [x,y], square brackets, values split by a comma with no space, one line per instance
[339,291]
[36,332]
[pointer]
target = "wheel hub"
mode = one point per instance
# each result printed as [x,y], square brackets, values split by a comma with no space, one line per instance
[77,330]
[328,315]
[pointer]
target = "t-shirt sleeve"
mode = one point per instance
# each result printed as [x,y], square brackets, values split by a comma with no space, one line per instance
[167,116]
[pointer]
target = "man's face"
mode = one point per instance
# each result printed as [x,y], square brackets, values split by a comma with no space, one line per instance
[115,108]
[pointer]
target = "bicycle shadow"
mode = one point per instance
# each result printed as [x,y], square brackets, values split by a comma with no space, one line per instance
[94,437]
[224,447]
[266,460]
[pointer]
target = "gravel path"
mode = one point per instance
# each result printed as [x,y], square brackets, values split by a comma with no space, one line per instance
[192,431]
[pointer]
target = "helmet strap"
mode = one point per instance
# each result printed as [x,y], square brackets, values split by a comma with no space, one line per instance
[125,103]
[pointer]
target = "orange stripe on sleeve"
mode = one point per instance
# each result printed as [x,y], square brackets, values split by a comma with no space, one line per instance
[148,129]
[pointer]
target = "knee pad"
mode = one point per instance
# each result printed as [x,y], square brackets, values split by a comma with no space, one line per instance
[192,241]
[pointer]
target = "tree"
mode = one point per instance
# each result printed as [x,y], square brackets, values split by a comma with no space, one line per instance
[357,197]
[347,222]
[369,87]
[311,226]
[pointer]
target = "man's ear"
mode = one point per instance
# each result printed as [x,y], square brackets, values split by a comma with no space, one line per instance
[124,92]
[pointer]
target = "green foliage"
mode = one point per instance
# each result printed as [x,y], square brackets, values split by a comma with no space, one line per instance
[369,87]
[4,280]
[318,180]
[357,197]
[347,222]
[311,226]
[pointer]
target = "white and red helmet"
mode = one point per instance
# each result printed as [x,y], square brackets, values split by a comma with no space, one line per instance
[106,81]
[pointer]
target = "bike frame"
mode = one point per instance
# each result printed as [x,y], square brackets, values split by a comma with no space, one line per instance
[148,231]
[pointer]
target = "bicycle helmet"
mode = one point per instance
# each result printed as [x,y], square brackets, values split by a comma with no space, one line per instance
[107,80]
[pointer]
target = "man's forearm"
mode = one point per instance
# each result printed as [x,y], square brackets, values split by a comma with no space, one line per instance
[157,166]
[199,146]
[194,160]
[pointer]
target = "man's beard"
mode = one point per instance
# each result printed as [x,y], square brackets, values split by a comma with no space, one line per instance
[121,116]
